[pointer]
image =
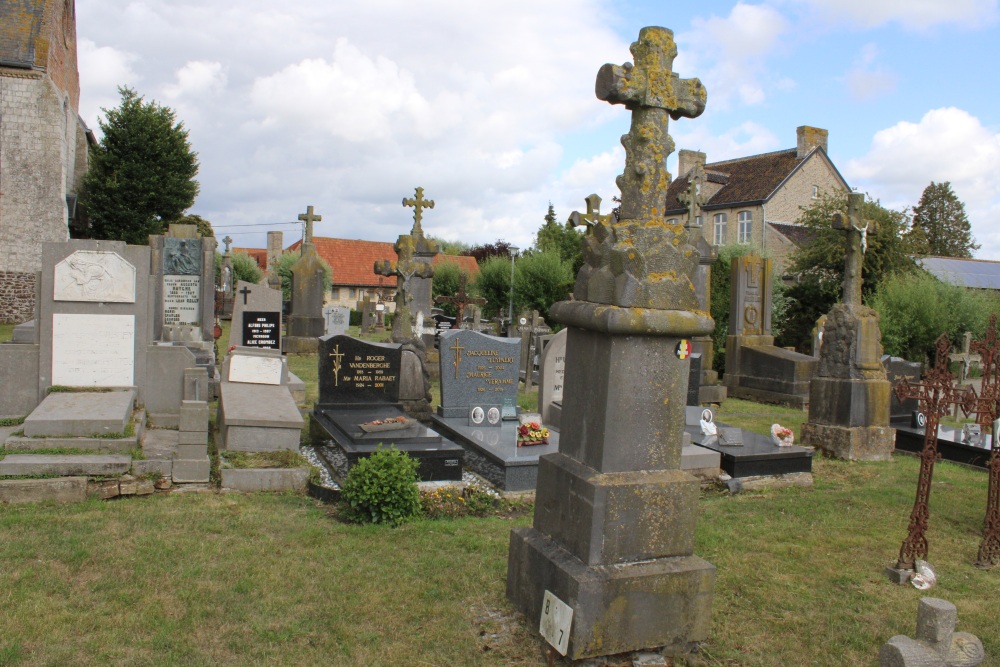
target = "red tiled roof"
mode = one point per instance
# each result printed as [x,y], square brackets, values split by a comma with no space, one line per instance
[353,261]
[259,255]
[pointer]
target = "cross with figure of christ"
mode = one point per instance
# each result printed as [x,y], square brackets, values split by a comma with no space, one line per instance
[419,204]
[593,216]
[309,218]
[856,242]
[460,301]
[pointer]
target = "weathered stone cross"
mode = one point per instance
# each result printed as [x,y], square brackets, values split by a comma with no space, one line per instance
[855,244]
[227,241]
[694,197]
[309,218]
[405,268]
[419,204]
[460,301]
[593,216]
[652,92]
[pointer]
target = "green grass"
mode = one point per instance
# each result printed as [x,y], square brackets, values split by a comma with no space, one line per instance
[6,333]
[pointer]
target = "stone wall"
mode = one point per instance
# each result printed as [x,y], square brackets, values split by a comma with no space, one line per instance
[797,192]
[17,297]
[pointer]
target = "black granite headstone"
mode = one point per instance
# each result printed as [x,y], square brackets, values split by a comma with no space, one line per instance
[357,371]
[896,369]
[262,329]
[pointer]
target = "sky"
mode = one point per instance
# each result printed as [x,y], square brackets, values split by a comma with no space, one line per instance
[490,106]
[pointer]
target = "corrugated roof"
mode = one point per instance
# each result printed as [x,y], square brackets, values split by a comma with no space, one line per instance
[978,273]
[745,180]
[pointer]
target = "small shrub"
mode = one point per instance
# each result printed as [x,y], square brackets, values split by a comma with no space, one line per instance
[382,488]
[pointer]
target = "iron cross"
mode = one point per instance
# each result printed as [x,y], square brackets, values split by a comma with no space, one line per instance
[460,301]
[309,218]
[419,204]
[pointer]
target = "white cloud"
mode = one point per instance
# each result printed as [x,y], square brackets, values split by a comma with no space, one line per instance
[947,144]
[747,138]
[867,79]
[102,70]
[198,77]
[916,14]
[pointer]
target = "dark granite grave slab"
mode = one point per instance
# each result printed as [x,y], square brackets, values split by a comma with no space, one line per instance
[494,454]
[440,459]
[477,369]
[950,445]
[758,456]
[352,370]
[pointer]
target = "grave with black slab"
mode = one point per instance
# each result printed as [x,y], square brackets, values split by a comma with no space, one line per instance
[359,410]
[479,379]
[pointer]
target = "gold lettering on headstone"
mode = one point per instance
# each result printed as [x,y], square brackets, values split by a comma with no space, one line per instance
[458,356]
[337,356]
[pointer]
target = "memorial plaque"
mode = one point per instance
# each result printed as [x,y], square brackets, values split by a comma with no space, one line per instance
[254,300]
[93,350]
[262,329]
[181,300]
[94,275]
[255,370]
[477,369]
[181,257]
[356,371]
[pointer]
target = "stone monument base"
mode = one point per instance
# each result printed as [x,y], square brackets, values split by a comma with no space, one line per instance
[857,443]
[661,602]
[299,345]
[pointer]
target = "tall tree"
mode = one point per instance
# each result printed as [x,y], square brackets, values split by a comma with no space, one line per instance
[141,174]
[482,252]
[561,239]
[940,225]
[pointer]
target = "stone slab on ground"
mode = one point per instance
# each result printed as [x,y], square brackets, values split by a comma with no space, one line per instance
[162,467]
[758,456]
[83,464]
[265,479]
[269,406]
[187,471]
[297,387]
[80,414]
[5,431]
[160,443]
[116,445]
[59,489]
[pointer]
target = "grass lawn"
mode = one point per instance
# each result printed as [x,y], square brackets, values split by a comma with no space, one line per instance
[6,332]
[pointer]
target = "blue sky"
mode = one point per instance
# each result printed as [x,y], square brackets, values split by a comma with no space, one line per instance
[490,106]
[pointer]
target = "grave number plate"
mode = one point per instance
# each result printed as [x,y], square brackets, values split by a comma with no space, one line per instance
[557,618]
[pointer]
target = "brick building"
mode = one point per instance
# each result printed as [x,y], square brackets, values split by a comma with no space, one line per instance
[43,141]
[758,199]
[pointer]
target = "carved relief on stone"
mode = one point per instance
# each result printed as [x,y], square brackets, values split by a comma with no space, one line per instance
[181,257]
[94,275]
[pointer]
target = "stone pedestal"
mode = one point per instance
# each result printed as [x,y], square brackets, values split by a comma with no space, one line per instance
[306,317]
[613,534]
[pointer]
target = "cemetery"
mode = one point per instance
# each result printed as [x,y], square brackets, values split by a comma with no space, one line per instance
[580,484]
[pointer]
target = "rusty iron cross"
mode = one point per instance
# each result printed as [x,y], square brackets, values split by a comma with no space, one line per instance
[460,300]
[309,218]
[593,216]
[935,395]
[856,242]
[419,204]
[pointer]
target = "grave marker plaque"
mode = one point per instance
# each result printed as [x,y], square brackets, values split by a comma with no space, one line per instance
[262,329]
[356,371]
[93,350]
[181,300]
[477,369]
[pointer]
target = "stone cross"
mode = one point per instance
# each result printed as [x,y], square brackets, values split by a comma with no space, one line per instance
[593,216]
[460,300]
[227,241]
[855,244]
[419,204]
[309,218]
[405,268]
[694,197]
[936,643]
[652,92]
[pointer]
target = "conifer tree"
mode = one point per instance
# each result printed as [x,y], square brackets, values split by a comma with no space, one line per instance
[940,225]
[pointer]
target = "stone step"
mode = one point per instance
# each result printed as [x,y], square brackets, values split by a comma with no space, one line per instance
[122,445]
[59,489]
[80,414]
[67,465]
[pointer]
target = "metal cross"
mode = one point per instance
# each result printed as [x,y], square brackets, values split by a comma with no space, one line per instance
[419,204]
[855,244]
[227,241]
[458,355]
[309,218]
[460,301]
[337,356]
[245,291]
[935,395]
[593,216]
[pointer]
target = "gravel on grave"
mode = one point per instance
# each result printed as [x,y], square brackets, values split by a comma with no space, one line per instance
[334,454]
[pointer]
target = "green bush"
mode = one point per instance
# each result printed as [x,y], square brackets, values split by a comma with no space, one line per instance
[541,279]
[447,279]
[493,283]
[382,488]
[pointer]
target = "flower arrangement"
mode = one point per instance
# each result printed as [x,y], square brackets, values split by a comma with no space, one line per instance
[783,437]
[532,433]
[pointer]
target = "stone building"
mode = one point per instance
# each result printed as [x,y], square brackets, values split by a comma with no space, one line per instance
[43,141]
[758,199]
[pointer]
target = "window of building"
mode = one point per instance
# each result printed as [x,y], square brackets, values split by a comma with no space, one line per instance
[353,293]
[335,293]
[746,226]
[672,221]
[720,220]
[815,192]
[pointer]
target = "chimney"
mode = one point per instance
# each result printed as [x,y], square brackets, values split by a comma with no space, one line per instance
[809,138]
[686,160]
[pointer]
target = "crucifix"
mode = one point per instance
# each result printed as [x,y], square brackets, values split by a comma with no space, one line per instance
[935,395]
[458,355]
[856,242]
[309,218]
[694,197]
[986,407]
[405,268]
[460,301]
[593,216]
[245,292]
[227,241]
[419,204]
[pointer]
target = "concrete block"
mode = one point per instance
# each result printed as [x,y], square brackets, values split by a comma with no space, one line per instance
[191,470]
[192,438]
[117,445]
[261,439]
[190,451]
[193,416]
[260,479]
[19,384]
[60,489]
[165,366]
[83,464]
[152,466]
[297,388]
[80,414]
[694,457]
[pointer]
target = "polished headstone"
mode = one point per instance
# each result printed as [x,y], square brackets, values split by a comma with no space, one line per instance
[477,369]
[255,310]
[357,371]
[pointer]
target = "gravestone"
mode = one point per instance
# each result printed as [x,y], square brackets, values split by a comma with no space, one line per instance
[896,370]
[849,396]
[551,376]
[359,383]
[694,379]
[755,369]
[529,327]
[337,319]
[256,317]
[257,412]
[274,249]
[936,643]
[480,371]
[305,319]
[615,515]
[367,308]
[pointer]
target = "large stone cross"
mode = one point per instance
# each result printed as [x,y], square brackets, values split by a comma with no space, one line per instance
[460,300]
[419,204]
[855,243]
[652,92]
[593,216]
[309,218]
[694,197]
[227,241]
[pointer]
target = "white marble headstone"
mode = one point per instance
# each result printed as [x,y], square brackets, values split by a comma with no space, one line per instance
[255,370]
[181,300]
[94,275]
[93,350]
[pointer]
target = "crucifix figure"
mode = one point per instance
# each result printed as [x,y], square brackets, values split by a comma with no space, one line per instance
[935,395]
[245,292]
[405,268]
[856,242]
[309,218]
[694,197]
[227,241]
[460,300]
[419,204]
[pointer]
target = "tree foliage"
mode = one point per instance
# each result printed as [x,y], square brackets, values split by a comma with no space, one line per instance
[203,225]
[482,252]
[244,266]
[451,247]
[561,239]
[940,225]
[493,283]
[142,172]
[541,279]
